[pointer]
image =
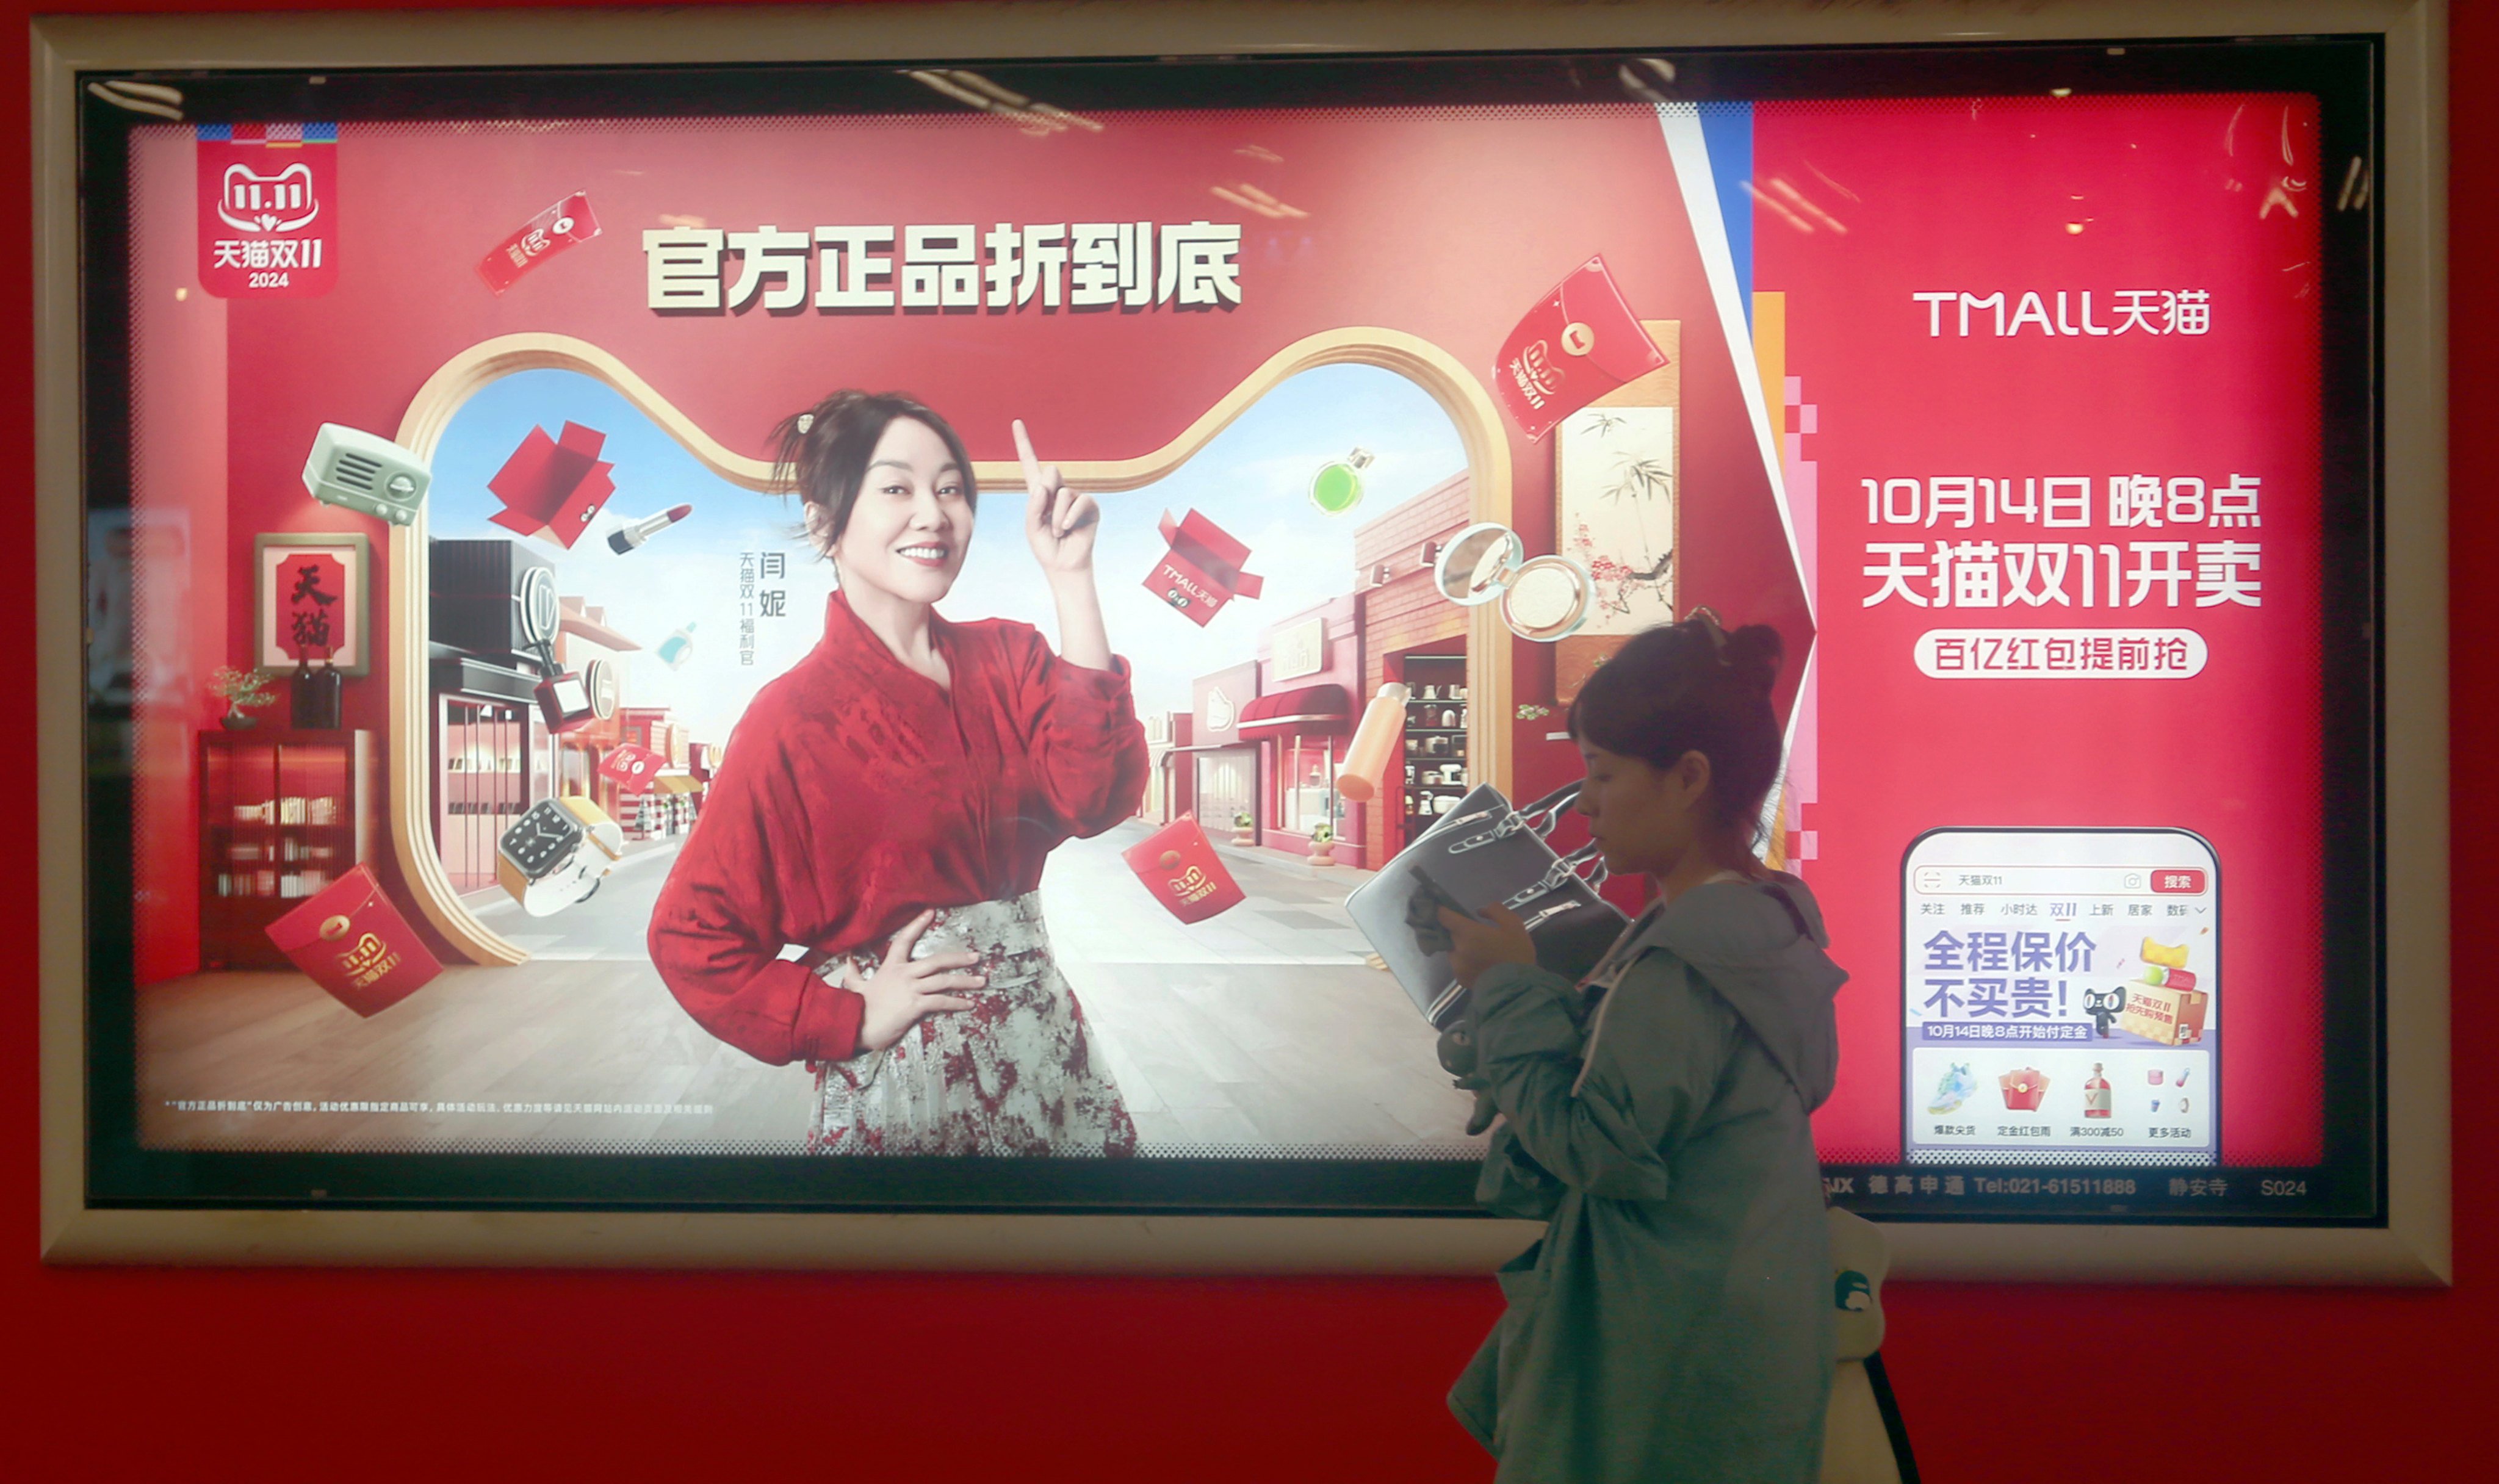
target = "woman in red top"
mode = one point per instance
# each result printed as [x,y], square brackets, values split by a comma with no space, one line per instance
[886,807]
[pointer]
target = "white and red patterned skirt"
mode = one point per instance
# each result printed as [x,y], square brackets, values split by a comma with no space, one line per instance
[1016,1074]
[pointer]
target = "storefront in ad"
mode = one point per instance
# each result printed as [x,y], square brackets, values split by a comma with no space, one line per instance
[1301,721]
[492,605]
[587,646]
[1224,767]
[1171,777]
[674,802]
[1411,633]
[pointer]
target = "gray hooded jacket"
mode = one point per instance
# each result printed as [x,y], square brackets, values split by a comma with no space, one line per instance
[1675,1321]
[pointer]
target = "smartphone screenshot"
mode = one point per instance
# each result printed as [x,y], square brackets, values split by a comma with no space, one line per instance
[2061,997]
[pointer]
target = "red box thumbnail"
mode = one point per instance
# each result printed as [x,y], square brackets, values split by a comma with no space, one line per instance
[1202,570]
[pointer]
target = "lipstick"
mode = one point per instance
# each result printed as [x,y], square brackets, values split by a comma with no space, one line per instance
[633,533]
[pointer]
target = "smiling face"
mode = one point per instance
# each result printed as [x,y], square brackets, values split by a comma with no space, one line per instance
[908,529]
[1646,819]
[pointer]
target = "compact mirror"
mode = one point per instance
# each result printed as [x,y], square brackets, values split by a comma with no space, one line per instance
[1547,599]
[1477,563]
[1542,599]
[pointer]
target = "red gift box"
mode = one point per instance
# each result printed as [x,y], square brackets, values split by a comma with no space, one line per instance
[630,768]
[355,944]
[1179,865]
[1580,342]
[555,486]
[2170,1015]
[1202,570]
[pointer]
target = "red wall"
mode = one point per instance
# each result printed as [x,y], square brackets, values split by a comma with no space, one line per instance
[212,1375]
[176,473]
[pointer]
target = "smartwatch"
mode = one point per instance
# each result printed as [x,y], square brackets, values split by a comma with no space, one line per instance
[556,854]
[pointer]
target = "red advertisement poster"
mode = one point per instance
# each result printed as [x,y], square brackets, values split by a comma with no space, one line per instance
[2049,429]
[939,544]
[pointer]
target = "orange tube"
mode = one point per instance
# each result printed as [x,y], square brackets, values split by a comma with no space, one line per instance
[1375,744]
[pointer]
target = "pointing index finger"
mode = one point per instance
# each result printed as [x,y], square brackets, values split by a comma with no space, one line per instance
[1031,461]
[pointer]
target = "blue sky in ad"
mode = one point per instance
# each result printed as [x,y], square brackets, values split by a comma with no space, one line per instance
[1252,480]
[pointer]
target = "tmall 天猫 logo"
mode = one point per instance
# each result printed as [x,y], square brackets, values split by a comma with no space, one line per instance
[269,209]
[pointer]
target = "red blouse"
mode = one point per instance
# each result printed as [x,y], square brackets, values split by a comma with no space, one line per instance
[858,793]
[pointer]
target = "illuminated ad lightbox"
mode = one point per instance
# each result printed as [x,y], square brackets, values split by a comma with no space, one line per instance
[499,796]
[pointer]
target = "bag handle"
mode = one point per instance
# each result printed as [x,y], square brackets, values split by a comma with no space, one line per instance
[1546,812]
[1564,870]
[1538,818]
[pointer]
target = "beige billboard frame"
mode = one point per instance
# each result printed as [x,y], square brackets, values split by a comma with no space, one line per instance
[2412,1247]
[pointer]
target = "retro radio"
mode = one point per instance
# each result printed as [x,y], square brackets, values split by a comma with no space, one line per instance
[367,473]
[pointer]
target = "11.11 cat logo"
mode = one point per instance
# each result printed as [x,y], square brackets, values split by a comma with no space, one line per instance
[269,209]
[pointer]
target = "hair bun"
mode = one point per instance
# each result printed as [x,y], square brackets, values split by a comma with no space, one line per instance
[1753,655]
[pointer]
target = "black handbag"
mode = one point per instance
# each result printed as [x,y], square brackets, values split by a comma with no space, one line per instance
[1486,850]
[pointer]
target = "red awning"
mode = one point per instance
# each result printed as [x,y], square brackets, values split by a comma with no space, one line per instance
[1312,711]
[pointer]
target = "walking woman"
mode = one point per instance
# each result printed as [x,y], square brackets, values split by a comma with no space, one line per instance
[1673,1323]
[887,805]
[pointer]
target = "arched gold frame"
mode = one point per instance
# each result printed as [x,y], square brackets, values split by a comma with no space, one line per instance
[1442,375]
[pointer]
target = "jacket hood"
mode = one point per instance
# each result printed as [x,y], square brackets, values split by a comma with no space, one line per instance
[1759,944]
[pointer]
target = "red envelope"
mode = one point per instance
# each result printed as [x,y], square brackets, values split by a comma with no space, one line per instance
[1202,570]
[554,485]
[355,944]
[1580,342]
[630,768]
[1179,865]
[540,237]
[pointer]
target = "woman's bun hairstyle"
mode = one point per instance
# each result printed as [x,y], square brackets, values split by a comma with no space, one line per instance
[821,454]
[1693,687]
[1753,655]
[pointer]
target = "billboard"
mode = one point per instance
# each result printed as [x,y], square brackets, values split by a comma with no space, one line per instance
[810,797]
